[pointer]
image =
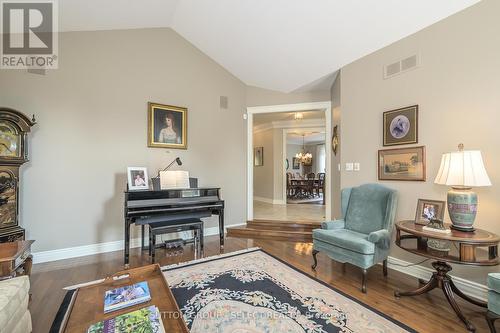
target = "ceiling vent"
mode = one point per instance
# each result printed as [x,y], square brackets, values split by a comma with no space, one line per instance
[401,66]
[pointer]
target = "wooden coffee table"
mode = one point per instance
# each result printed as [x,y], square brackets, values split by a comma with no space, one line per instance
[15,259]
[467,243]
[87,304]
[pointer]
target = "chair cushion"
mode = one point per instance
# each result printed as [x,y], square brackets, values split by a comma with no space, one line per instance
[494,281]
[346,239]
[13,295]
[367,207]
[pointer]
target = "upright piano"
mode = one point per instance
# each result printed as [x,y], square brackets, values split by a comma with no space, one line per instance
[151,206]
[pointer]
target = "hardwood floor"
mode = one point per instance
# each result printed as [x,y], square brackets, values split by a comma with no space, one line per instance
[426,313]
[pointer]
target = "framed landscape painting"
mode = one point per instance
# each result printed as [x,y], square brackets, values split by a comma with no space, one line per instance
[401,126]
[402,164]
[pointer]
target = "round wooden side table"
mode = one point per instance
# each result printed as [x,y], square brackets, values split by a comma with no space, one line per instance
[463,251]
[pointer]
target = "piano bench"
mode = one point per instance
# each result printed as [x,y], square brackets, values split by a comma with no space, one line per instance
[161,228]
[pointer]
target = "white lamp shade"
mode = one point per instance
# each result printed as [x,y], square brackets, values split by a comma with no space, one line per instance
[462,168]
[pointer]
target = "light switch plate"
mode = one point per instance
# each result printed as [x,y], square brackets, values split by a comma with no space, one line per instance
[349,167]
[356,166]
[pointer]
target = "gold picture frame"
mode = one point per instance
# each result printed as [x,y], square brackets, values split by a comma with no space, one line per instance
[406,164]
[400,126]
[167,126]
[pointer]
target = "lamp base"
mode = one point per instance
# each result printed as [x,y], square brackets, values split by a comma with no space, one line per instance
[462,207]
[458,228]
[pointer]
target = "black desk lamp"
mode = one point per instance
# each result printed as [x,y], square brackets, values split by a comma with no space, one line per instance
[156,180]
[177,160]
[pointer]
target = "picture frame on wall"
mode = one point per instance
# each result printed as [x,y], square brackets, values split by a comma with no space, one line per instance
[295,163]
[258,156]
[137,178]
[400,126]
[167,126]
[405,164]
[428,210]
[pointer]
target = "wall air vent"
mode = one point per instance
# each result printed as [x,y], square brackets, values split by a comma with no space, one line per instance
[401,66]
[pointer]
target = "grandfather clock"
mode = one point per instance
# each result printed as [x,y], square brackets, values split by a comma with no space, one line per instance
[14,127]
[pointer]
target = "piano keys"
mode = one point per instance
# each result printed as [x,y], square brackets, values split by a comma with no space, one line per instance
[153,206]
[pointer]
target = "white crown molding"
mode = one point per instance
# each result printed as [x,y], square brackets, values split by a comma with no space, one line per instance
[471,288]
[304,123]
[91,249]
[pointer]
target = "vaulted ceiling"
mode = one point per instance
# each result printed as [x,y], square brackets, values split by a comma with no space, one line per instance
[284,45]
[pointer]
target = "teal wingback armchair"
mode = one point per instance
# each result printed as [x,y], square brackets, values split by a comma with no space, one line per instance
[493,300]
[363,236]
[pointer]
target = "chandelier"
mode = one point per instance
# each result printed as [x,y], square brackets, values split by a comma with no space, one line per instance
[304,157]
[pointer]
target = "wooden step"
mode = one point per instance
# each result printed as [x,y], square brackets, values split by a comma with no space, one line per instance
[285,235]
[306,226]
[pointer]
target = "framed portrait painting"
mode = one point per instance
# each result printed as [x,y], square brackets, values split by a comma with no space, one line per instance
[402,164]
[401,126]
[137,178]
[167,126]
[428,210]
[295,163]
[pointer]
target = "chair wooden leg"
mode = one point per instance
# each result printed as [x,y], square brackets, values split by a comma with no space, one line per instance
[384,266]
[314,253]
[490,319]
[363,283]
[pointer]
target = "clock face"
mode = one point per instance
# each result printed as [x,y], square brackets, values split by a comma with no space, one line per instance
[10,141]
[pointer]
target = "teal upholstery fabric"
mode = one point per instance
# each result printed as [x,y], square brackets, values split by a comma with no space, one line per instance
[363,237]
[494,292]
[494,281]
[494,301]
[366,208]
[337,224]
[381,237]
[346,239]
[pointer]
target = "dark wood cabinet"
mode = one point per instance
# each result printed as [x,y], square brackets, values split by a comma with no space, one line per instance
[14,127]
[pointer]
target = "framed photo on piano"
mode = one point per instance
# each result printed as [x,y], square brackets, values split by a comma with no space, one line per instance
[137,178]
[167,126]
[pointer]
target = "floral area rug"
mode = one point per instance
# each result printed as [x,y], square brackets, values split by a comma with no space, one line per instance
[252,291]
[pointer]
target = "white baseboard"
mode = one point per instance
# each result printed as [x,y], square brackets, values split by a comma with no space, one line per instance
[269,201]
[470,288]
[87,250]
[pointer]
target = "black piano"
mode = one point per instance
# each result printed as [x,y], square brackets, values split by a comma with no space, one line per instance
[151,206]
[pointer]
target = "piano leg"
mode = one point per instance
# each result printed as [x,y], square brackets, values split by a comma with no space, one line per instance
[221,228]
[127,244]
[201,235]
[142,237]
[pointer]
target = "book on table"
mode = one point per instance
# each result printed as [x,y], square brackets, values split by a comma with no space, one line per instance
[145,320]
[123,297]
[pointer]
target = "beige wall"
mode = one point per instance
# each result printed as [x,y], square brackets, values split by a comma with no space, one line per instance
[336,117]
[457,88]
[92,124]
[260,97]
[263,176]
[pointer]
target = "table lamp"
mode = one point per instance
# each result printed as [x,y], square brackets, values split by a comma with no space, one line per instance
[462,170]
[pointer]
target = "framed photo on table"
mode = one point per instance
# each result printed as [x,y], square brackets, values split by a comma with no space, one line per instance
[167,126]
[406,164]
[137,178]
[401,126]
[428,210]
